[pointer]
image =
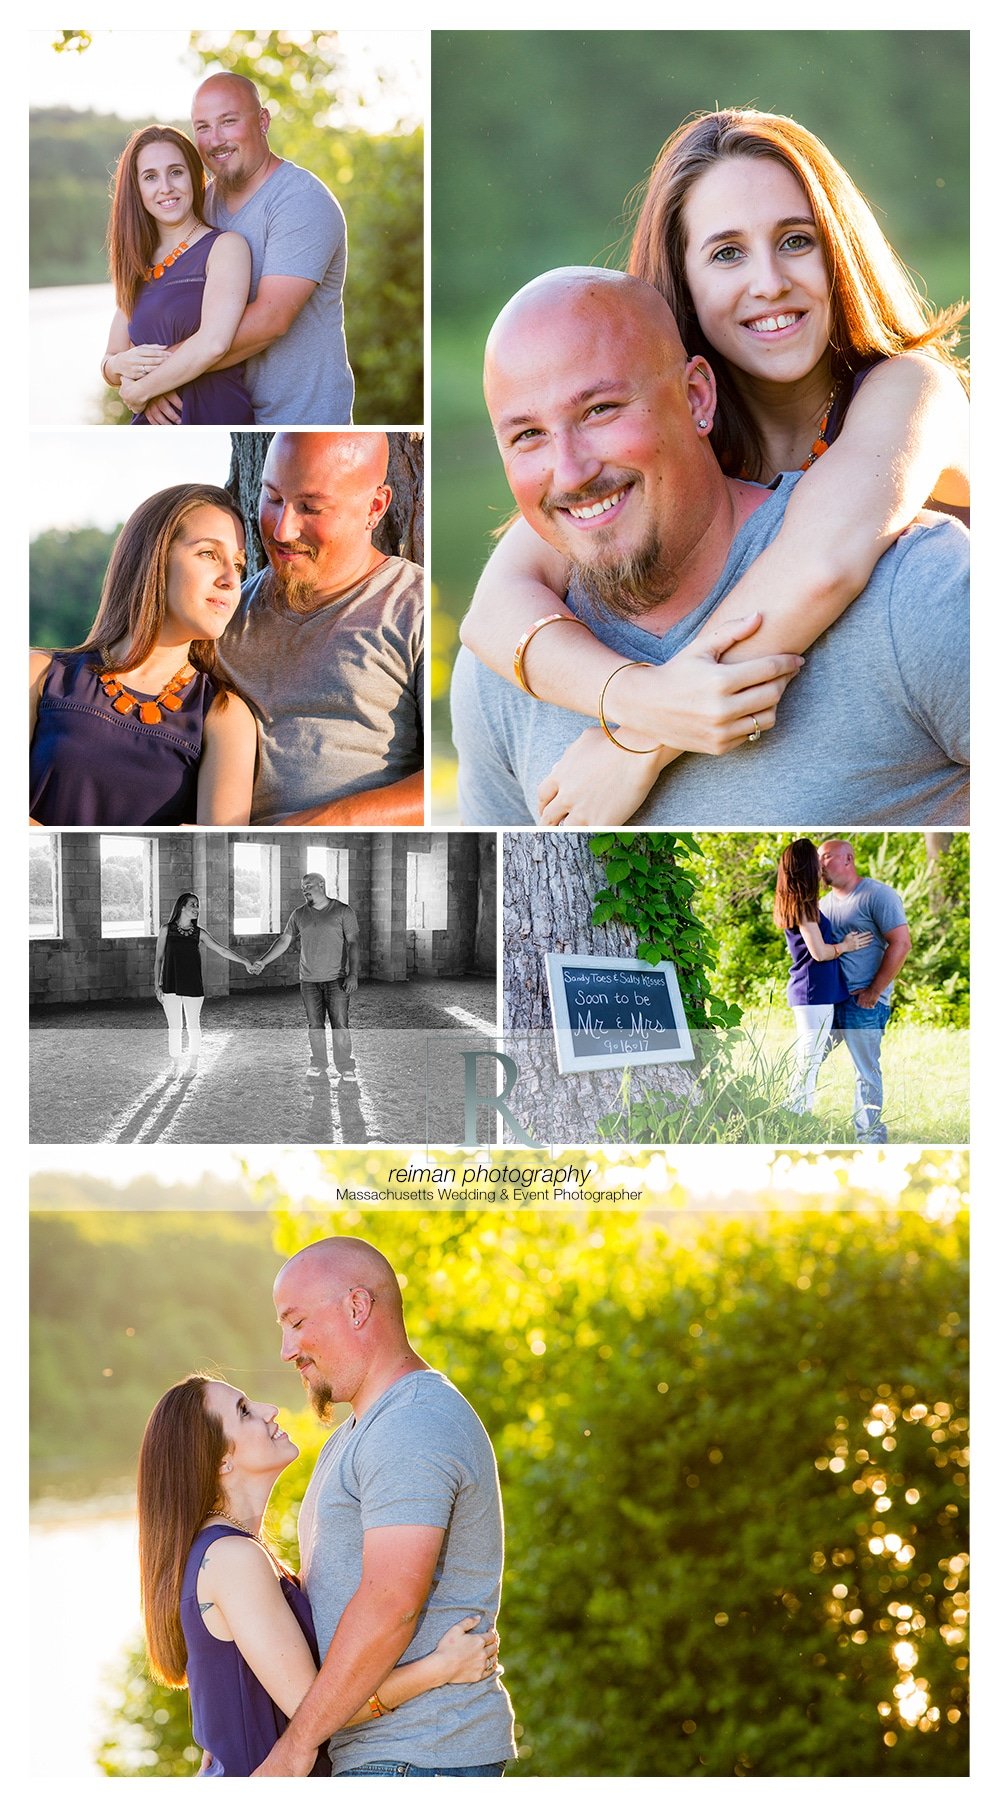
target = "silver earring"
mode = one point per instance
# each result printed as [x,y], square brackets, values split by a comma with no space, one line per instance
[703,423]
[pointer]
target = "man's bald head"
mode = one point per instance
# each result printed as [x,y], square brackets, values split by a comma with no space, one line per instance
[322,496]
[602,424]
[563,296]
[342,1262]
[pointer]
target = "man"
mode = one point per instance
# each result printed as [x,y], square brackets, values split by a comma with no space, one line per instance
[327,645]
[291,336]
[329,949]
[854,902]
[603,428]
[400,1533]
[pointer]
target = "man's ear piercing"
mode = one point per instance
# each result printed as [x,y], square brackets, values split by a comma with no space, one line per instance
[703,423]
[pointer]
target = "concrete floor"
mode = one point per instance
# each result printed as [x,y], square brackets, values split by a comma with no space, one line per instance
[102,1075]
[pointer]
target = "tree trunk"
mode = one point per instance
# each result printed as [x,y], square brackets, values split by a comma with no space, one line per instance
[401,530]
[549,883]
[937,841]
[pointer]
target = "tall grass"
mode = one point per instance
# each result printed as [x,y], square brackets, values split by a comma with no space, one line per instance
[747,1076]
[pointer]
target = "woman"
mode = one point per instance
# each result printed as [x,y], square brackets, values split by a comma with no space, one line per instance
[826,359]
[133,727]
[816,982]
[221,1613]
[181,287]
[177,978]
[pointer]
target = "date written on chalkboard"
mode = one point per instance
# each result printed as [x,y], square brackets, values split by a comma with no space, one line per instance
[615,1013]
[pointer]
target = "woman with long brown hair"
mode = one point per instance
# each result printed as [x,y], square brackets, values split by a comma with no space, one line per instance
[133,727]
[221,1613]
[180,286]
[826,361]
[816,982]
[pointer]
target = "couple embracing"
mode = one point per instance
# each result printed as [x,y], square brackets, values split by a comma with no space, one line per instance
[382,1659]
[230,293]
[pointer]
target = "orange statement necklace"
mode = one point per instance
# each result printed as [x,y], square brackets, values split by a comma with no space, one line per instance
[155,271]
[152,710]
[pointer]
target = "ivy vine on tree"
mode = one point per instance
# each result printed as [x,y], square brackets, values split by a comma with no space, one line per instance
[649,889]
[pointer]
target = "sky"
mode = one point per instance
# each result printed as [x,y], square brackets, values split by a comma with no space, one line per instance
[151,74]
[70,487]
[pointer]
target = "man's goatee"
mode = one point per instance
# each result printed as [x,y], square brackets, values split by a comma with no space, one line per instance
[286,590]
[629,585]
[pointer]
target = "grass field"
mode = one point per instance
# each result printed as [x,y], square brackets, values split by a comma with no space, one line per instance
[741,1093]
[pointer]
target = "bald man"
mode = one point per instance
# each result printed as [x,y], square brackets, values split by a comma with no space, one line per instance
[400,1532]
[291,337]
[603,425]
[327,645]
[855,901]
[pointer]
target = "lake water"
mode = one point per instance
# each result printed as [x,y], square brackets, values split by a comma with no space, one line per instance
[84,1594]
[67,333]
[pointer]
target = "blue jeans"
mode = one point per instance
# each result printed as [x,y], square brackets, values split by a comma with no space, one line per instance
[323,999]
[388,1767]
[862,1030]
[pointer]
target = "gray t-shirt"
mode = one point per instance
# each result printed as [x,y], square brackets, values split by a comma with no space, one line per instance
[418,1457]
[322,939]
[874,730]
[337,693]
[872,906]
[295,227]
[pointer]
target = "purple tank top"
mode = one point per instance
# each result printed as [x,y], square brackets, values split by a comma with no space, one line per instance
[812,981]
[93,768]
[232,1714]
[168,309]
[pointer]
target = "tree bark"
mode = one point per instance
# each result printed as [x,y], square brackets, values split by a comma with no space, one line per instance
[401,529]
[549,885]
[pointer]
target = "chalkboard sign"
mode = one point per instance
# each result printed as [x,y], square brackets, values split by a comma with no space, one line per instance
[615,1013]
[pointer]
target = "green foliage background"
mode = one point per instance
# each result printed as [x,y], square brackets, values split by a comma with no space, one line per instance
[732,1449]
[378,179]
[539,137]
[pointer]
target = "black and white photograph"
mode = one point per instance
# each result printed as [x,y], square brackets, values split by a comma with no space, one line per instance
[242,987]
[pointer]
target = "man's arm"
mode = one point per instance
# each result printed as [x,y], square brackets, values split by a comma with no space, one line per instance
[278,302]
[898,946]
[397,805]
[374,1630]
[353,939]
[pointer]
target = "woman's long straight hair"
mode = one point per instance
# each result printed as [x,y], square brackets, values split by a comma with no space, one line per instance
[177,1489]
[796,892]
[181,900]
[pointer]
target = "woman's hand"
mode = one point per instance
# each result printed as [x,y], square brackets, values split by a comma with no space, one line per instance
[137,362]
[466,1655]
[855,938]
[693,703]
[595,782]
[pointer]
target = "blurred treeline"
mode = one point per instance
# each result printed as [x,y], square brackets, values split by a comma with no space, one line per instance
[732,1450]
[735,894]
[539,137]
[378,181]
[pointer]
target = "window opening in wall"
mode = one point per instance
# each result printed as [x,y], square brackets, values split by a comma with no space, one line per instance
[44,887]
[427,889]
[128,885]
[334,864]
[256,888]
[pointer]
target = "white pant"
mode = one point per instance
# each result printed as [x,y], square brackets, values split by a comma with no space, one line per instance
[813,1023]
[179,1009]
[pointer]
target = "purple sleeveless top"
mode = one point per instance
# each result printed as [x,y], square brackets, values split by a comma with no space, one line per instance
[94,768]
[812,981]
[232,1714]
[167,309]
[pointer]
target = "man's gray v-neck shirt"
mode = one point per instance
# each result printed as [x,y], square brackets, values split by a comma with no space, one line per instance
[874,729]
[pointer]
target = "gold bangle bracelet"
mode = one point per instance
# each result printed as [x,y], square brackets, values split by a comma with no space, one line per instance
[524,642]
[600,707]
